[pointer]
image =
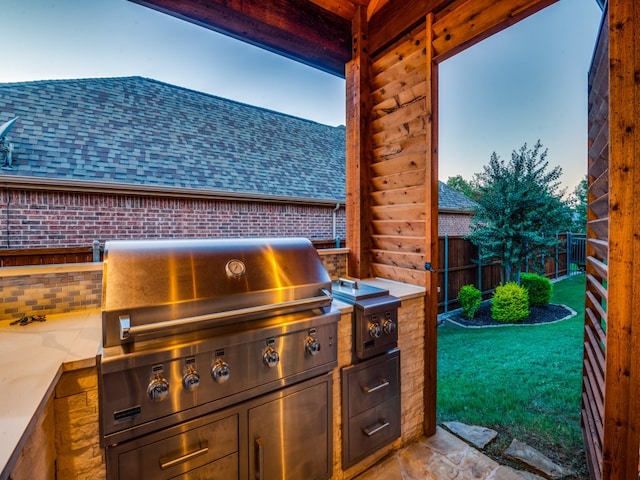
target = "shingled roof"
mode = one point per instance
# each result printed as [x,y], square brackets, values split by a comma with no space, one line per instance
[142,132]
[451,200]
[138,131]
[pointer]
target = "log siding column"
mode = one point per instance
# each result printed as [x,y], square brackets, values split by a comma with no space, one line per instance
[357,151]
[431,233]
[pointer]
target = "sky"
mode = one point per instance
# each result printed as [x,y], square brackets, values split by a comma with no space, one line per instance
[524,84]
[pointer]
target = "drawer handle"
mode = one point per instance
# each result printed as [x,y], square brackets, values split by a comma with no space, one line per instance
[204,448]
[383,382]
[381,425]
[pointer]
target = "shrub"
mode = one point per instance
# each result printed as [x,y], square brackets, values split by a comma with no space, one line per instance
[510,303]
[470,299]
[539,288]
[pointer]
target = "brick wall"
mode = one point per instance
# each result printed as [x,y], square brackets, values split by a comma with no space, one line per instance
[32,218]
[454,224]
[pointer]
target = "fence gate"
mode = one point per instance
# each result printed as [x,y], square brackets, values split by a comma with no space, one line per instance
[577,252]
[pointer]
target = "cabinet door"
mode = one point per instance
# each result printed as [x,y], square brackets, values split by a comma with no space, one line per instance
[290,436]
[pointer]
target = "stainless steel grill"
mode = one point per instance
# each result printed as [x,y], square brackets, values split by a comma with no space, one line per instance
[205,331]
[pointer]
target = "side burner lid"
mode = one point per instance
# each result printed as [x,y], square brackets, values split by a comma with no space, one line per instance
[352,291]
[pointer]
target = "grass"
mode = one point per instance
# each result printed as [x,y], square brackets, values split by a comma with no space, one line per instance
[522,381]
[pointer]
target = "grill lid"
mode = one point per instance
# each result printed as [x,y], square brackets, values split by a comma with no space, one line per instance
[175,285]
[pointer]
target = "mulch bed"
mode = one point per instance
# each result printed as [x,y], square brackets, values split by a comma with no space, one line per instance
[537,315]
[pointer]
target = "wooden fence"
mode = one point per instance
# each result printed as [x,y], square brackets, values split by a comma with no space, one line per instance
[94,253]
[50,256]
[459,266]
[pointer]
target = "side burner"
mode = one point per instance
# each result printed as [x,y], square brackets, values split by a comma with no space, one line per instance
[375,317]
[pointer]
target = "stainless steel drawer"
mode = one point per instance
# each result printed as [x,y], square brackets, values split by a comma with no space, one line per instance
[372,382]
[224,469]
[178,451]
[371,407]
[374,428]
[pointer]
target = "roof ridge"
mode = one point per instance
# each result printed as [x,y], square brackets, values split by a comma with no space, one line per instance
[170,85]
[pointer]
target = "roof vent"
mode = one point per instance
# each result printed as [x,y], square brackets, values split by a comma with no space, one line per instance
[6,147]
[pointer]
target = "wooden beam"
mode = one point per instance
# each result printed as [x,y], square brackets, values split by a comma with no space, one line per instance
[431,236]
[357,151]
[342,8]
[397,17]
[297,29]
[622,384]
[374,6]
[466,22]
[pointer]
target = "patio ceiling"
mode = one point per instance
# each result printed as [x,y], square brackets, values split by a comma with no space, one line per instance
[314,32]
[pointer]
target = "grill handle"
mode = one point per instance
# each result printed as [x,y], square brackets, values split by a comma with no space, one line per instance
[127,330]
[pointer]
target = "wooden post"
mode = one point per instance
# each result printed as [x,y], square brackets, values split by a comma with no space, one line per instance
[357,153]
[621,436]
[431,235]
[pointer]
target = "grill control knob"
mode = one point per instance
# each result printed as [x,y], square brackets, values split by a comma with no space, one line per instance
[389,327]
[191,380]
[374,330]
[220,371]
[158,388]
[270,357]
[312,346]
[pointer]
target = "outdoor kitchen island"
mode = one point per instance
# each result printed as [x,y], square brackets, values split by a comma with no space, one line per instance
[49,402]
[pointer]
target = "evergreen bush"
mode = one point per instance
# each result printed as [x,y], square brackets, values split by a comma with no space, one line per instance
[510,303]
[470,299]
[539,288]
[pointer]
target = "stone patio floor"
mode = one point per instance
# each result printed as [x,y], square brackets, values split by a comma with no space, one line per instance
[440,457]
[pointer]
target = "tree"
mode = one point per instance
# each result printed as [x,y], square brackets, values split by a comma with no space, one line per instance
[468,188]
[578,204]
[520,209]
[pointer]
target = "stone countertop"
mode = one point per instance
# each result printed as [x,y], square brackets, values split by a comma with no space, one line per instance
[403,291]
[32,358]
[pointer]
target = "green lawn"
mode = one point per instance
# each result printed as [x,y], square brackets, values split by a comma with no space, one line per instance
[523,381]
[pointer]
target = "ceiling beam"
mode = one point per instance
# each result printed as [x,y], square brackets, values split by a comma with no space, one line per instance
[297,29]
[396,17]
[344,8]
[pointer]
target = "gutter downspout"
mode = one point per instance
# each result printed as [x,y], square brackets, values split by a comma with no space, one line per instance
[335,212]
[8,195]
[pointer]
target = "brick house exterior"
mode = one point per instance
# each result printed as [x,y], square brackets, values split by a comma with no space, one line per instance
[126,158]
[132,157]
[455,211]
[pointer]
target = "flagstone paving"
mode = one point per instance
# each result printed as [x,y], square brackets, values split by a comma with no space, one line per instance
[441,457]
